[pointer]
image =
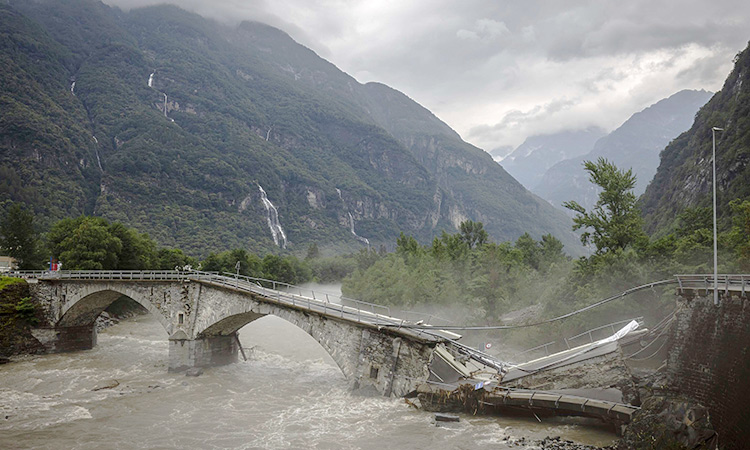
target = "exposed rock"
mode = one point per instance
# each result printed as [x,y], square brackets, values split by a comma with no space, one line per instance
[194,372]
[111,384]
[105,320]
[669,422]
[555,443]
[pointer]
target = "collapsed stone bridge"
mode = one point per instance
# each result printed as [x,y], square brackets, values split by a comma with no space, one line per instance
[202,312]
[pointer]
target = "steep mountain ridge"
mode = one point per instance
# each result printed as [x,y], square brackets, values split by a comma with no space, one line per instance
[684,176]
[177,123]
[635,144]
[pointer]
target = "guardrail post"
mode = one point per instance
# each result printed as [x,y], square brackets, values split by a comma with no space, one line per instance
[726,285]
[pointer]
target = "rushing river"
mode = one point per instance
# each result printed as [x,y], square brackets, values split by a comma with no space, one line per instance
[289,394]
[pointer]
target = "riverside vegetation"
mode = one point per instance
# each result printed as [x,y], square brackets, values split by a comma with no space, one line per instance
[476,280]
[480,281]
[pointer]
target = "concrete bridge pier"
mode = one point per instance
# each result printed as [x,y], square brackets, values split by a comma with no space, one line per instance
[66,339]
[186,353]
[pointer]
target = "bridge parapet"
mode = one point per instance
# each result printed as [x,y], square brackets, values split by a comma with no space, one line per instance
[727,284]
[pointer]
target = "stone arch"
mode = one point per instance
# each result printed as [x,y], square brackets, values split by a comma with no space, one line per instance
[84,309]
[339,340]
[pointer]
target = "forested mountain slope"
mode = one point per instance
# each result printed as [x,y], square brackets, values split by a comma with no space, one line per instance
[684,176]
[202,135]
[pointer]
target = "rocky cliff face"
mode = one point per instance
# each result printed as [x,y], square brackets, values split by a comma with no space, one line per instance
[684,176]
[170,123]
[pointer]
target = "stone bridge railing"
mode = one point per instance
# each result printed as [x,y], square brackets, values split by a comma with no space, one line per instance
[284,293]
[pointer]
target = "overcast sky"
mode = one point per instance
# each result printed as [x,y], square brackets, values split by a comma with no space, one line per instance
[498,71]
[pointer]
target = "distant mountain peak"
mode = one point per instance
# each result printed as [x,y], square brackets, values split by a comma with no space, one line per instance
[528,162]
[635,144]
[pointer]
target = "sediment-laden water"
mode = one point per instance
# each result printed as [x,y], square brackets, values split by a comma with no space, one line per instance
[288,395]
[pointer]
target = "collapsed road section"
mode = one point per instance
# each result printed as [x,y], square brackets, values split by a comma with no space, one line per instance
[463,379]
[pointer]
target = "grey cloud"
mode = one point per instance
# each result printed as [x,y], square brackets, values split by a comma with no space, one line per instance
[516,119]
[704,70]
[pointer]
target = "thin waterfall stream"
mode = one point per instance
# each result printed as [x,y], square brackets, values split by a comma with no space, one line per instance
[272,216]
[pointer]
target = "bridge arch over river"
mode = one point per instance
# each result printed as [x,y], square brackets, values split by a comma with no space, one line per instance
[202,312]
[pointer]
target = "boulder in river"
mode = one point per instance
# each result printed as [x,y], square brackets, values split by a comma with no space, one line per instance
[194,372]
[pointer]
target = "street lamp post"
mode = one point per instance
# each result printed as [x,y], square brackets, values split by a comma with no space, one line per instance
[716,258]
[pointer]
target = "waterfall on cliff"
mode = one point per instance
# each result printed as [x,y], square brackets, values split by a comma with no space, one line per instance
[351,221]
[73,88]
[351,228]
[279,237]
[151,80]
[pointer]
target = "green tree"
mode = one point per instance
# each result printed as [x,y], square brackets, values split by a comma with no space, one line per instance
[85,243]
[407,245]
[18,238]
[496,276]
[473,233]
[169,258]
[615,221]
[250,264]
[739,236]
[92,243]
[312,251]
[278,269]
[551,252]
[138,250]
[532,253]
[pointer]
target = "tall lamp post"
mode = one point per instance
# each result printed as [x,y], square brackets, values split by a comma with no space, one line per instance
[716,258]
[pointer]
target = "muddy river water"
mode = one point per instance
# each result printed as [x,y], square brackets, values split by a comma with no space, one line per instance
[288,395]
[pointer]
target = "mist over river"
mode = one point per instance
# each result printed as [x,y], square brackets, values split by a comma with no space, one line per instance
[289,394]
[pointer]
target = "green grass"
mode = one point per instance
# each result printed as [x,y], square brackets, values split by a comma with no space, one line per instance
[8,281]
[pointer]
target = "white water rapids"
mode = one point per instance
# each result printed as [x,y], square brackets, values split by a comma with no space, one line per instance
[272,216]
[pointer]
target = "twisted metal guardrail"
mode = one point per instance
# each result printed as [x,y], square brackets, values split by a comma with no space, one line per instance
[589,333]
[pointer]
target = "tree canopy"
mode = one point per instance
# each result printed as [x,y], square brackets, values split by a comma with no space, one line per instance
[615,222]
[18,238]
